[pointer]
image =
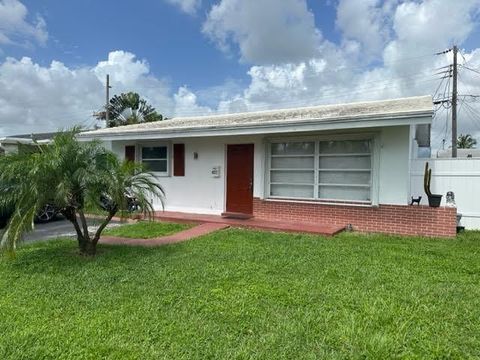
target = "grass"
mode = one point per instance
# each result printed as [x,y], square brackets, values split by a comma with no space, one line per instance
[239,294]
[92,210]
[146,230]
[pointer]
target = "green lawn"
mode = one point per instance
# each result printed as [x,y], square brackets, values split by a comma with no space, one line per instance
[146,230]
[245,295]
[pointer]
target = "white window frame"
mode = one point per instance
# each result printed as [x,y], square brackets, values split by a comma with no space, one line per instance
[374,168]
[156,144]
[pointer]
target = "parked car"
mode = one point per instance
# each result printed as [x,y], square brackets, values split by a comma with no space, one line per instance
[106,203]
[46,214]
[4,216]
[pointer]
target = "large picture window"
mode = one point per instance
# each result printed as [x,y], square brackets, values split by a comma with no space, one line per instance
[155,158]
[336,170]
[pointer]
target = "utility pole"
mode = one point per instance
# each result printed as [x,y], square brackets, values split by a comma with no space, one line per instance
[454,103]
[108,87]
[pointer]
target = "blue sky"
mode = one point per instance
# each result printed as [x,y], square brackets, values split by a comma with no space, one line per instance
[83,32]
[195,57]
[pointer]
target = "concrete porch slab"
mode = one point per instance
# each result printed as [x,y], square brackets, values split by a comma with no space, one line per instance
[252,223]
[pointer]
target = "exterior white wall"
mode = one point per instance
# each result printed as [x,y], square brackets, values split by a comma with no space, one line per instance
[394,165]
[10,148]
[199,192]
[462,176]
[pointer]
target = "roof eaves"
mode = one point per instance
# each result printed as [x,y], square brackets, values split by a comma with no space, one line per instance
[14,141]
[270,124]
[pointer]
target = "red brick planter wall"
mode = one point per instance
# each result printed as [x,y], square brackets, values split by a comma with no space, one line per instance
[391,219]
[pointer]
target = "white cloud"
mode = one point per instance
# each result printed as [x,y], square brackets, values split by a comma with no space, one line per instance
[302,69]
[127,73]
[365,21]
[38,99]
[264,31]
[429,27]
[186,103]
[435,21]
[404,35]
[16,28]
[188,6]
[124,65]
[34,98]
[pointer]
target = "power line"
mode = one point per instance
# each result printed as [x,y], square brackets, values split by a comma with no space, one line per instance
[463,57]
[335,94]
[475,116]
[406,60]
[473,110]
[468,68]
[438,112]
[439,85]
[318,98]
[332,92]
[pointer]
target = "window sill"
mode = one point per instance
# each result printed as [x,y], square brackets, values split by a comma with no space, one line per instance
[159,174]
[322,202]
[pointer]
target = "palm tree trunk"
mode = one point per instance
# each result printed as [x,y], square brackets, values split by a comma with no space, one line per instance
[70,215]
[88,247]
[84,223]
[85,244]
[96,238]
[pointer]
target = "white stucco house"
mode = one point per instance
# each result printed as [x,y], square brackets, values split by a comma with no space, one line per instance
[347,164]
[11,144]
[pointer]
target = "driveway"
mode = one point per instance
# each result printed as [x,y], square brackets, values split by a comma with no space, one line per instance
[58,228]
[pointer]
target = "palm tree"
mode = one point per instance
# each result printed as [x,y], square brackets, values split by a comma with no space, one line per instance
[129,108]
[466,142]
[70,174]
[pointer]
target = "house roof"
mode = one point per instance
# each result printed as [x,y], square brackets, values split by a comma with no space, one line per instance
[35,136]
[412,110]
[28,138]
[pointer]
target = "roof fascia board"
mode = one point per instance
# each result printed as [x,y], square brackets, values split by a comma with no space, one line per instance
[268,128]
[16,141]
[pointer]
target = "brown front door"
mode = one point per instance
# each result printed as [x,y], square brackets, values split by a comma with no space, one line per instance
[240,179]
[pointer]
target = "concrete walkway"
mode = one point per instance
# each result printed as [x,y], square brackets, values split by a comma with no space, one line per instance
[318,228]
[199,230]
[206,224]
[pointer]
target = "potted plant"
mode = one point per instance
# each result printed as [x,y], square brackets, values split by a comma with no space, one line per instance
[434,200]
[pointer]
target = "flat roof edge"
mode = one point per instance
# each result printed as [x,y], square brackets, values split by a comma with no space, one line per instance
[373,121]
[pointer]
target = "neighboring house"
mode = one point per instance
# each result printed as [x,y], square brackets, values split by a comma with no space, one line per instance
[461,153]
[343,164]
[26,143]
[12,144]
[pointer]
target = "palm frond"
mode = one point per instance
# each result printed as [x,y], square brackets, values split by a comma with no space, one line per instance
[69,175]
[20,222]
[129,108]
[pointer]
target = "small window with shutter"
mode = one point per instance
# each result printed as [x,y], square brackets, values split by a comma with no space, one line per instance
[155,159]
[178,159]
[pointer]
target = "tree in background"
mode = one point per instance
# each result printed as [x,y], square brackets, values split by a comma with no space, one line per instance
[466,142]
[129,108]
[70,174]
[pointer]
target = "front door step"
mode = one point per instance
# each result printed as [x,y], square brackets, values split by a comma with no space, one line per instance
[234,215]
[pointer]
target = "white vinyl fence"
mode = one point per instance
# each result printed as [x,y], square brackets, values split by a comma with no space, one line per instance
[462,176]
